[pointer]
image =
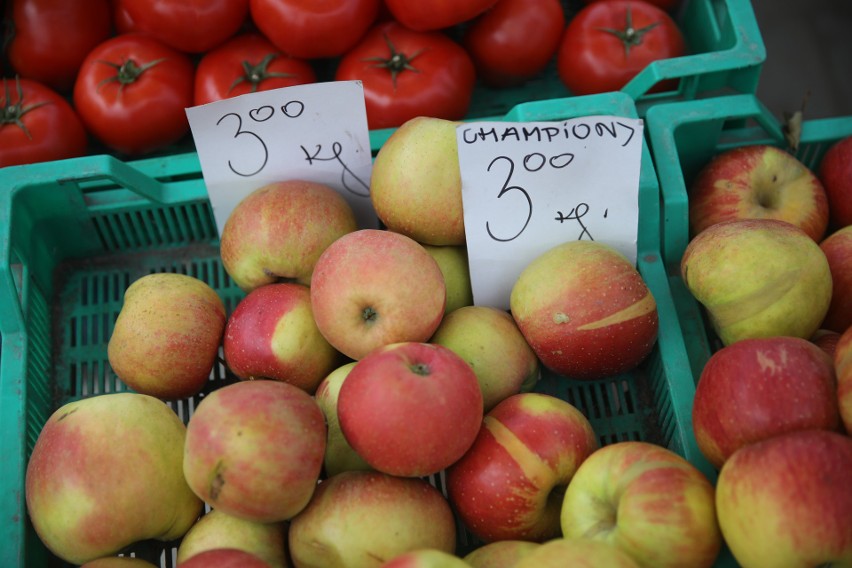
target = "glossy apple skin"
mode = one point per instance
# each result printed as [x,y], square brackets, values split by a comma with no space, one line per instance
[758,182]
[585,310]
[453,262]
[835,171]
[843,367]
[646,500]
[224,558]
[254,449]
[271,334]
[371,288]
[757,388]
[837,248]
[799,480]
[410,409]
[509,485]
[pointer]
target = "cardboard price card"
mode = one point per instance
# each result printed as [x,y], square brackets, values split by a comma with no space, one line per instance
[529,186]
[316,132]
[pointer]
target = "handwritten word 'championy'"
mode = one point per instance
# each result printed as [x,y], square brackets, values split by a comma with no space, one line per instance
[615,130]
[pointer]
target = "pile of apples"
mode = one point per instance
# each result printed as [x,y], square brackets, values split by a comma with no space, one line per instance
[770,261]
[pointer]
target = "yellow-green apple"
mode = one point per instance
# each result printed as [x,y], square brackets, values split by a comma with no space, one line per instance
[490,342]
[415,186]
[758,181]
[118,562]
[843,368]
[277,232]
[105,472]
[509,484]
[339,455]
[835,172]
[500,553]
[224,558]
[410,409]
[254,449]
[372,287]
[787,501]
[167,335]
[217,529]
[585,310]
[646,500]
[426,558]
[577,553]
[758,278]
[361,519]
[837,248]
[826,340]
[452,260]
[756,388]
[271,334]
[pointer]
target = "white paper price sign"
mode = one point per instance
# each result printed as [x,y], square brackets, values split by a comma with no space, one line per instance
[316,132]
[528,186]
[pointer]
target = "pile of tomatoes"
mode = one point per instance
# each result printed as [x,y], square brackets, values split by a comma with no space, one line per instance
[117,75]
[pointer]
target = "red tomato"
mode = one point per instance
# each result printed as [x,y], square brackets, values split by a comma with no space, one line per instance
[429,15]
[131,93]
[37,125]
[667,5]
[244,64]
[312,29]
[193,26]
[607,43]
[407,73]
[52,37]
[515,40]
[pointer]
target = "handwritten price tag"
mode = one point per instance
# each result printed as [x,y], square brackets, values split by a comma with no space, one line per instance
[317,132]
[528,186]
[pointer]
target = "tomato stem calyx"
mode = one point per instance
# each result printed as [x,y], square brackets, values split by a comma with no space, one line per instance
[256,74]
[12,113]
[629,36]
[127,72]
[397,62]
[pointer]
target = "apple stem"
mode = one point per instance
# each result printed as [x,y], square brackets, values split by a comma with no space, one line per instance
[369,314]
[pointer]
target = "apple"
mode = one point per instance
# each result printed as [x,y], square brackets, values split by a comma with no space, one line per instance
[835,172]
[224,558]
[491,343]
[843,368]
[787,501]
[585,310]
[757,388]
[118,562]
[218,529]
[254,449]
[339,455]
[576,553]
[372,287]
[758,278]
[758,181]
[271,334]
[500,553]
[361,519]
[415,186]
[452,260]
[426,558]
[826,340]
[837,248]
[166,338]
[105,472]
[410,409]
[646,500]
[509,484]
[278,231]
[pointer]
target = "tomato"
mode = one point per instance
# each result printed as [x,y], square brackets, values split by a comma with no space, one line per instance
[37,125]
[192,26]
[429,15]
[244,64]
[313,29]
[406,73]
[607,43]
[52,37]
[515,40]
[131,93]
[667,5]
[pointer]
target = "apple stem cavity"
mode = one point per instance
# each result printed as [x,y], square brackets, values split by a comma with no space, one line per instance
[369,314]
[421,369]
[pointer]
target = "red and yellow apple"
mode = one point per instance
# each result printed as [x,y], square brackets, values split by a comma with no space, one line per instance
[500,553]
[843,368]
[426,558]
[835,172]
[576,553]
[826,340]
[837,248]
[224,558]
[453,263]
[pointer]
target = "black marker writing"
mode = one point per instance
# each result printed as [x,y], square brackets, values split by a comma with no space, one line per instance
[241,132]
[576,214]
[350,182]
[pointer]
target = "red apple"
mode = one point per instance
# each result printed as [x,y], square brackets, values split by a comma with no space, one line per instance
[371,288]
[753,389]
[758,182]
[835,171]
[826,340]
[787,501]
[843,367]
[271,334]
[224,558]
[254,449]
[585,310]
[838,250]
[410,409]
[509,485]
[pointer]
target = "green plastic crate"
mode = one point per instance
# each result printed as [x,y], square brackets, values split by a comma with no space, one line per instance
[75,233]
